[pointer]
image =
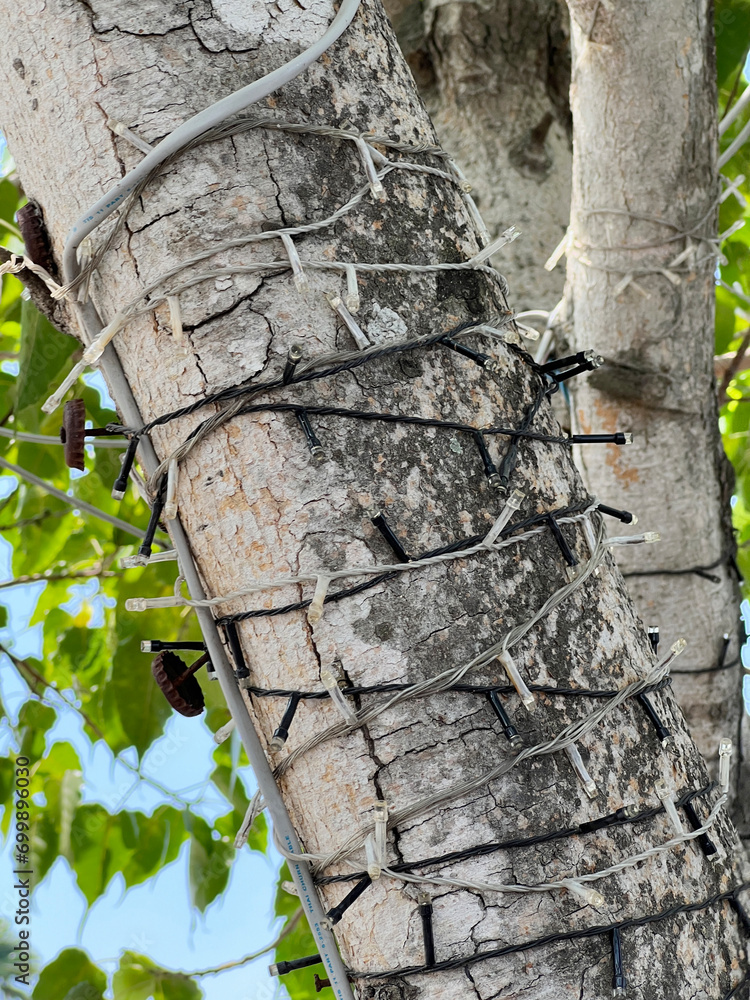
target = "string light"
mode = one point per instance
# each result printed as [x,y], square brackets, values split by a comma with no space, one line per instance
[331,684]
[281,734]
[315,611]
[665,797]
[121,483]
[224,732]
[292,360]
[380,522]
[335,302]
[298,275]
[510,731]
[664,734]
[135,562]
[527,698]
[589,785]
[170,501]
[317,452]
[725,758]
[375,842]
[619,982]
[336,913]
[512,504]
[428,936]
[144,550]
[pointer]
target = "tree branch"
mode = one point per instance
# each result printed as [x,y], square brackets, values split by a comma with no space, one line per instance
[256,954]
[25,668]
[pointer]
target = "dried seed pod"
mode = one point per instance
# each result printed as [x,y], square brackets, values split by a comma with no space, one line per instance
[35,236]
[185,698]
[72,433]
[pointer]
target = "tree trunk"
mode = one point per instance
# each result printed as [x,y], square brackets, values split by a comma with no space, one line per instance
[495,80]
[255,507]
[644,112]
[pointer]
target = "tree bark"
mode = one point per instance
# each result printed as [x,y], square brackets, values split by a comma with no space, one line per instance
[495,78]
[644,110]
[254,507]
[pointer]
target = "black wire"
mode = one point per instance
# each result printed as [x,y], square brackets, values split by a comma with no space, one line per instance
[396,418]
[233,392]
[576,935]
[508,464]
[503,845]
[464,543]
[465,688]
[735,991]
[697,570]
[710,670]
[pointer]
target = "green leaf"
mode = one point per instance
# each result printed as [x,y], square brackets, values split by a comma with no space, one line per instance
[44,353]
[69,970]
[732,30]
[45,822]
[34,720]
[155,842]
[138,978]
[10,199]
[209,863]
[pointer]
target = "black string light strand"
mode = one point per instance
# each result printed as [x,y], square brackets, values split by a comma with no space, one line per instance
[557,938]
[619,982]
[425,912]
[506,468]
[625,815]
[465,543]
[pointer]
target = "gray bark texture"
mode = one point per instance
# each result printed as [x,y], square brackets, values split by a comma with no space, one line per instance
[254,506]
[494,77]
[644,105]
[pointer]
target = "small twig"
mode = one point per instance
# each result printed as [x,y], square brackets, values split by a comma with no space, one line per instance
[24,522]
[72,501]
[735,365]
[38,291]
[256,954]
[25,667]
[79,574]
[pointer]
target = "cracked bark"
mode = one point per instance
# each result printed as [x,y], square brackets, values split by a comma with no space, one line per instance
[495,78]
[252,505]
[644,110]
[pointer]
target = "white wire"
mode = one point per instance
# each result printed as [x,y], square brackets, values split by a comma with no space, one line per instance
[734,111]
[738,143]
[313,575]
[195,126]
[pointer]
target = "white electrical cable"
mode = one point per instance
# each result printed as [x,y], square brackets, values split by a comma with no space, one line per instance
[734,111]
[193,127]
[738,143]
